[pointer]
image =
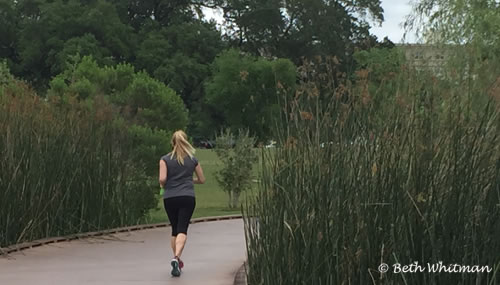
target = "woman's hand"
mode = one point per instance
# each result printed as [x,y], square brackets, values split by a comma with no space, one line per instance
[199,174]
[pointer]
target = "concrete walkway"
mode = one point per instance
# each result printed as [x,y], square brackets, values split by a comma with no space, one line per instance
[213,253]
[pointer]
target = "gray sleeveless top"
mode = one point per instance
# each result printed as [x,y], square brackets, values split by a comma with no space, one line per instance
[179,177]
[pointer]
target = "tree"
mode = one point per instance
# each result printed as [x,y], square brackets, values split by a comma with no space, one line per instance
[163,12]
[296,29]
[9,31]
[455,22]
[151,109]
[51,31]
[243,91]
[180,56]
[238,157]
[167,39]
[142,99]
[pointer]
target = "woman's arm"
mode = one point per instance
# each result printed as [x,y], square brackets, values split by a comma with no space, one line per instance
[163,173]
[199,174]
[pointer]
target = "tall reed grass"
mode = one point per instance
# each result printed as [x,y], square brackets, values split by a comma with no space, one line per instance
[344,193]
[65,167]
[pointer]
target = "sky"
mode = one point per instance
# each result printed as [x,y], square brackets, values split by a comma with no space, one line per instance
[395,12]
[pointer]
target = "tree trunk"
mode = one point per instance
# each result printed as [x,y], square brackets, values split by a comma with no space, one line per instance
[230,202]
[234,199]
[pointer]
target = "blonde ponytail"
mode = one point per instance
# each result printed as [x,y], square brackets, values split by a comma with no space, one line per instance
[181,147]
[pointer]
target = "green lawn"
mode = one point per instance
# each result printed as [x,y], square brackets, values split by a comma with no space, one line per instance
[210,199]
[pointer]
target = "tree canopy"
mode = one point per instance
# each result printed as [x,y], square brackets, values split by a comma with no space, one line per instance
[142,99]
[173,43]
[243,90]
[296,29]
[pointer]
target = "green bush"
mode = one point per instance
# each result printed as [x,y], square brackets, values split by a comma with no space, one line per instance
[238,158]
[141,98]
[151,109]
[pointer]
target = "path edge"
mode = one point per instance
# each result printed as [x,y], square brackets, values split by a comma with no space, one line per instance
[45,241]
[241,275]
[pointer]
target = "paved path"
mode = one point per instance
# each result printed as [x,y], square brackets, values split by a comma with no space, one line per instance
[213,253]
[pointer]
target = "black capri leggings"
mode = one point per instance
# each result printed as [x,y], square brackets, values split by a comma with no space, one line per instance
[179,211]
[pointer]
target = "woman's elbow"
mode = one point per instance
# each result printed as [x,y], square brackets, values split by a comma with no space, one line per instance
[162,181]
[202,180]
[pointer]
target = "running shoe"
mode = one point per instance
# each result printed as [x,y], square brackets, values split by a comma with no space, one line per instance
[181,264]
[176,270]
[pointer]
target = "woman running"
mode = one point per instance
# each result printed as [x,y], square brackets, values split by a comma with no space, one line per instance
[176,178]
